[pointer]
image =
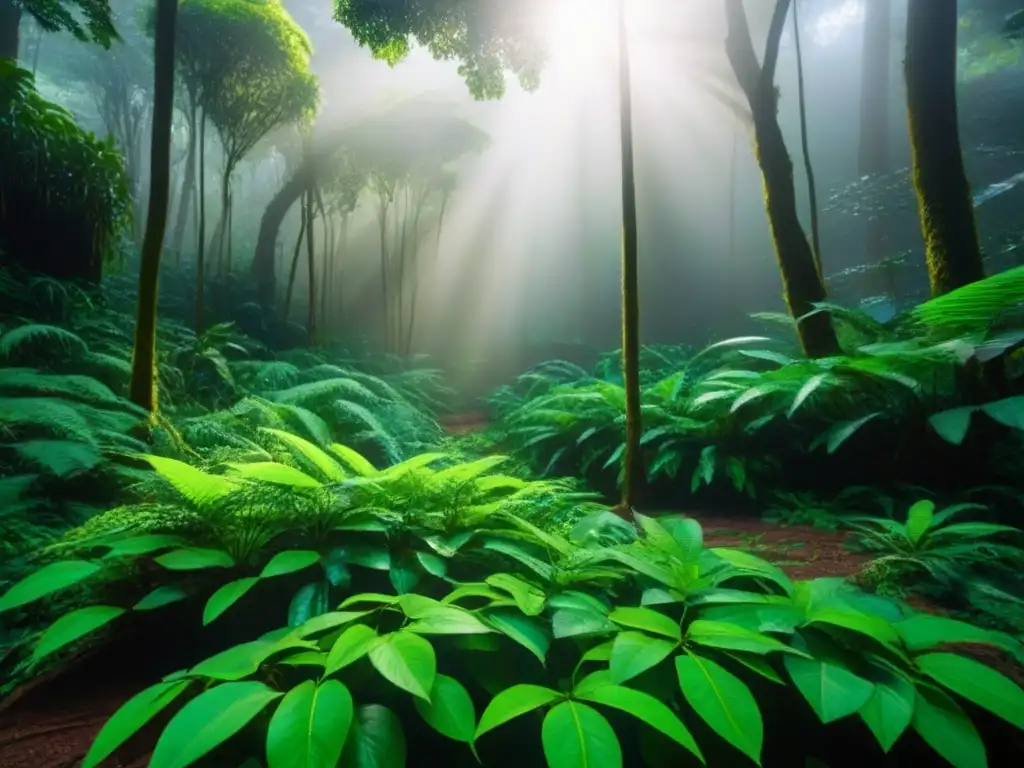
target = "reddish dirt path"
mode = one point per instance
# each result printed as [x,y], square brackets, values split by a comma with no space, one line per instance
[464,423]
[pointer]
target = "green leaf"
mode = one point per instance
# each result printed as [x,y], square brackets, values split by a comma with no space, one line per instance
[805,392]
[513,702]
[977,683]
[310,726]
[832,690]
[130,718]
[525,630]
[46,581]
[200,488]
[644,707]
[721,634]
[528,597]
[160,597]
[923,632]
[309,601]
[244,659]
[450,710]
[723,701]
[350,647]
[326,621]
[448,620]
[208,720]
[946,729]
[432,564]
[289,562]
[194,559]
[376,740]
[919,520]
[404,574]
[72,626]
[577,736]
[633,653]
[890,709]
[579,622]
[143,545]
[226,596]
[647,620]
[953,425]
[406,660]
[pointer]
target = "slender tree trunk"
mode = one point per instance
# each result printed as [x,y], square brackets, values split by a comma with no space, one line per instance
[142,389]
[188,182]
[812,193]
[295,258]
[416,285]
[10,29]
[201,229]
[801,284]
[311,268]
[633,475]
[225,213]
[943,194]
[263,267]
[382,219]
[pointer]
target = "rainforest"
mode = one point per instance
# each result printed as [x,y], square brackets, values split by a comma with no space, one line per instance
[511,383]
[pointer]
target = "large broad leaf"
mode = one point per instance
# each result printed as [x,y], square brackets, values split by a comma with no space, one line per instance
[194,559]
[209,720]
[832,690]
[525,630]
[376,740]
[130,718]
[513,702]
[73,626]
[952,425]
[633,653]
[578,736]
[923,632]
[529,598]
[450,710]
[946,729]
[919,519]
[310,726]
[289,561]
[406,660]
[976,682]
[46,581]
[226,596]
[891,707]
[647,620]
[723,701]
[351,645]
[728,636]
[644,707]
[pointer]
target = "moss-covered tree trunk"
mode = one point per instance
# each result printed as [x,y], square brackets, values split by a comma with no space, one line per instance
[142,389]
[944,199]
[10,29]
[633,475]
[802,285]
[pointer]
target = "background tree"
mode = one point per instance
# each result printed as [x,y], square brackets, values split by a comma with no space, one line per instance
[142,388]
[91,22]
[944,201]
[802,285]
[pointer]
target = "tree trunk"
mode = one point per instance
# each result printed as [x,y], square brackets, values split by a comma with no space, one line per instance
[311,268]
[943,194]
[802,286]
[142,389]
[188,184]
[295,259]
[201,229]
[263,271]
[10,29]
[812,193]
[633,475]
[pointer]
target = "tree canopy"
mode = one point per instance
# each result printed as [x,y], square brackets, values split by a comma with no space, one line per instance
[489,38]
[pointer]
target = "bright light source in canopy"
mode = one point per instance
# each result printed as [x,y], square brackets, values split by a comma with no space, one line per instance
[580,34]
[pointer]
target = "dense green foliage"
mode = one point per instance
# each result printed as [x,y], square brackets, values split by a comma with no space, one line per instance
[63,191]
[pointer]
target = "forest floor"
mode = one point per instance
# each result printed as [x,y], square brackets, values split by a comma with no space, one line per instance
[51,722]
